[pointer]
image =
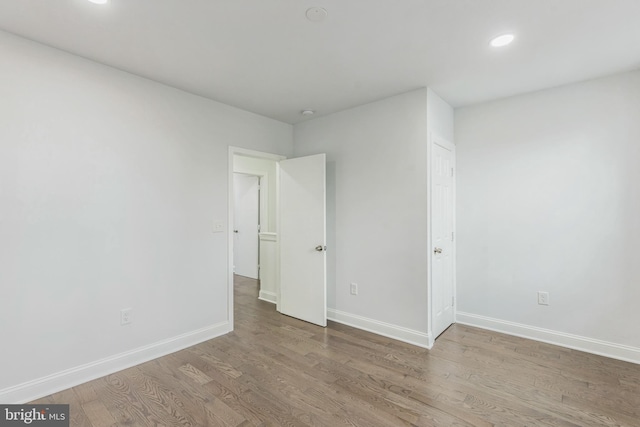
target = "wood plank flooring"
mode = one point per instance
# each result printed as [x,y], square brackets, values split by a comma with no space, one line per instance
[274,370]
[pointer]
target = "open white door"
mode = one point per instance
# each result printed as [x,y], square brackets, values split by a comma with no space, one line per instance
[246,224]
[302,234]
[442,216]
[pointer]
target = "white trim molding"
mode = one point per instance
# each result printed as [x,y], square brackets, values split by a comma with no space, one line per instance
[268,296]
[72,377]
[576,342]
[268,237]
[388,330]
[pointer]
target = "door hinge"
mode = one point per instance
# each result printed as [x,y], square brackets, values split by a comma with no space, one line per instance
[452,236]
[453,301]
[451,171]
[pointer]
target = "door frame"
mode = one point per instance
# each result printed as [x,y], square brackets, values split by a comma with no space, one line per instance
[435,139]
[237,151]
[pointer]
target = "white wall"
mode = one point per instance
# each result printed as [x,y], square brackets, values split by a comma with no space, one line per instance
[377,209]
[439,116]
[549,199]
[109,186]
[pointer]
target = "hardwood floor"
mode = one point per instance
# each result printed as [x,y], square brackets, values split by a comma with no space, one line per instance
[274,370]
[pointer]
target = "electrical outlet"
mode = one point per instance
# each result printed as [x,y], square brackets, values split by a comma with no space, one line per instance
[218,226]
[354,289]
[126,316]
[543,298]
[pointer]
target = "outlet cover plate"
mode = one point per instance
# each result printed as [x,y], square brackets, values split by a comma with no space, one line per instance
[543,298]
[126,316]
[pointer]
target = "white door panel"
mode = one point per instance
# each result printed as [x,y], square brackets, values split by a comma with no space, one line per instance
[442,280]
[302,235]
[246,225]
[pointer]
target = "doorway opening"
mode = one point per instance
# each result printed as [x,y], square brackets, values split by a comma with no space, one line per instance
[252,221]
[292,235]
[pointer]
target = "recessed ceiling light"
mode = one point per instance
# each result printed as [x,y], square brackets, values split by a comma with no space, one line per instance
[502,40]
[99,1]
[307,112]
[316,14]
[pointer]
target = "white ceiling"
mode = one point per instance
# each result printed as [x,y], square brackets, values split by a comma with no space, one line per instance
[266,57]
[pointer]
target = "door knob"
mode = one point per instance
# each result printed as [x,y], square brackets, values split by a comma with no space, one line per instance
[321,248]
[437,251]
[235,231]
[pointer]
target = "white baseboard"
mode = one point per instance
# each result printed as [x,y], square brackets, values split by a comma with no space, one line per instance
[576,342]
[399,333]
[63,380]
[268,297]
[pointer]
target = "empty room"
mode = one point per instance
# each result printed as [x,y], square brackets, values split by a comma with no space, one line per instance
[319,213]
